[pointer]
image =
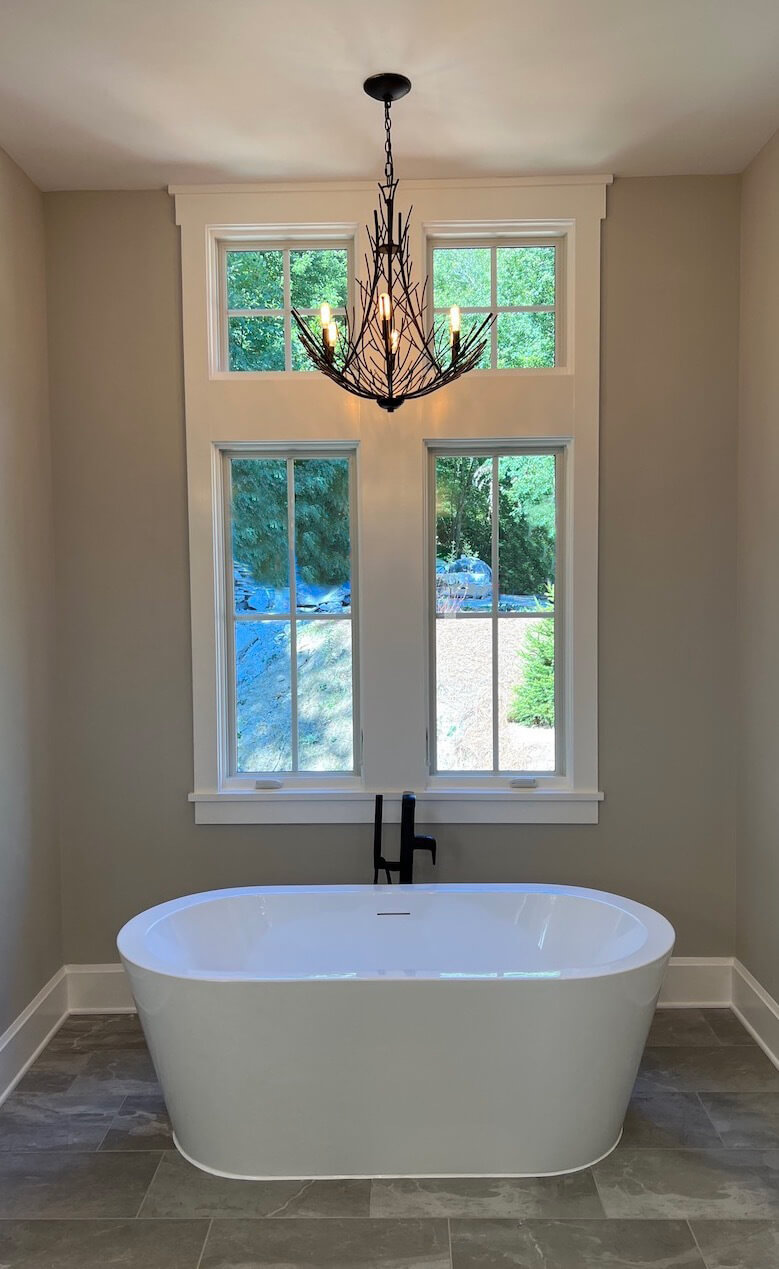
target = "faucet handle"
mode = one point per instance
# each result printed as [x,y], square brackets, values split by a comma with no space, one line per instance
[422,842]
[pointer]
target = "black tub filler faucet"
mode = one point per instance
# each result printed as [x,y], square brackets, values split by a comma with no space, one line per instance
[409,842]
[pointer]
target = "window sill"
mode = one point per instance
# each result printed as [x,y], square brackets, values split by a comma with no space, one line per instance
[434,806]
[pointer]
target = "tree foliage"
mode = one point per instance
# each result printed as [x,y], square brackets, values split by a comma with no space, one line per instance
[255,280]
[259,516]
[525,276]
[532,699]
[526,525]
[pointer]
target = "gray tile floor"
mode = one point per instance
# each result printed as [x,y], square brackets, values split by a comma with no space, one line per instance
[89,1177]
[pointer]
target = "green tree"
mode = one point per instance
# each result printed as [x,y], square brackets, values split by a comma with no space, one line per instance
[532,700]
[259,519]
[526,524]
[255,280]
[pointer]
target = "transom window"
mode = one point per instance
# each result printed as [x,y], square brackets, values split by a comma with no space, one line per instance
[495,616]
[519,283]
[290,551]
[260,287]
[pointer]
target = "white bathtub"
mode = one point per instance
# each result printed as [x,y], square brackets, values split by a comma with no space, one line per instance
[323,1031]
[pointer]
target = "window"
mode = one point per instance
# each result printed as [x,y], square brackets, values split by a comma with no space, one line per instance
[275,739]
[291,612]
[519,283]
[260,287]
[495,618]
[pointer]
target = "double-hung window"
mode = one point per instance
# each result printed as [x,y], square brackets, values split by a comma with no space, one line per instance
[290,612]
[495,611]
[519,282]
[261,283]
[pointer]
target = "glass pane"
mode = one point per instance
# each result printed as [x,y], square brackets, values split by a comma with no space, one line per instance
[255,279]
[464,694]
[463,534]
[526,738]
[318,277]
[322,537]
[526,532]
[325,722]
[526,275]
[263,708]
[256,343]
[259,531]
[300,358]
[525,339]
[461,275]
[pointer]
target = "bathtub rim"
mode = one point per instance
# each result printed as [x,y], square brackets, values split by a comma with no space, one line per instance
[657,947]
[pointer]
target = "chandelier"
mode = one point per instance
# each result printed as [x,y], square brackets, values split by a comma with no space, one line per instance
[388,350]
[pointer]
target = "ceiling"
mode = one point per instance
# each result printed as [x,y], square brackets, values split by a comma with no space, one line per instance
[106,94]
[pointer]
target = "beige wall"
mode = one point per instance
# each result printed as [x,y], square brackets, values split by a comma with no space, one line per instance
[666,834]
[30,927]
[758,538]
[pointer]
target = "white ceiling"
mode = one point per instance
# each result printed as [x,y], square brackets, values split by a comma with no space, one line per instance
[139,93]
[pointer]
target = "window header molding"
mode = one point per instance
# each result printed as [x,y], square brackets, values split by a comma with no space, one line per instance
[487,182]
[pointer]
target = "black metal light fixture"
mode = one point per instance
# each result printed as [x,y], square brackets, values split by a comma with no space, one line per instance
[389,351]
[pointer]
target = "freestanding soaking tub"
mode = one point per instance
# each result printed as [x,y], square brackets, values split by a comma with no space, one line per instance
[326,1031]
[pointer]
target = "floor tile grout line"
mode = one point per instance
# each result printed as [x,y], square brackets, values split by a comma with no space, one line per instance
[715,1130]
[449,1236]
[696,1244]
[205,1241]
[151,1182]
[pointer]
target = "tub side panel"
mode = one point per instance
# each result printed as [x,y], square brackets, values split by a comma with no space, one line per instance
[355,1078]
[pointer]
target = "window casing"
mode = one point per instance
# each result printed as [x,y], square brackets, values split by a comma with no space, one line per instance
[255,330]
[529,310]
[293,703]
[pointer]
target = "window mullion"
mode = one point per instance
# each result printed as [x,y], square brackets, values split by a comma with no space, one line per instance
[494,307]
[494,616]
[293,601]
[287,313]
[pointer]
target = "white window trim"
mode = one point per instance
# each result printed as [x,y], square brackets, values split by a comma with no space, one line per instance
[523,405]
[266,237]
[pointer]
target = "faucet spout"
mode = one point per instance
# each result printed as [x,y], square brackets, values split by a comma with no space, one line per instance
[410,841]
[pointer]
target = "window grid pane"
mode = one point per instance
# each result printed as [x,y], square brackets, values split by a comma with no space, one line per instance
[291,637]
[513,344]
[257,298]
[494,683]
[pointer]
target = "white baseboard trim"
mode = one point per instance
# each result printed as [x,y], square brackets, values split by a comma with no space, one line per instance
[21,1043]
[697,982]
[758,1011]
[99,989]
[690,982]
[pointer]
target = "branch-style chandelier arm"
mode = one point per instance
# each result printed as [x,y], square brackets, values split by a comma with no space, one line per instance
[389,349]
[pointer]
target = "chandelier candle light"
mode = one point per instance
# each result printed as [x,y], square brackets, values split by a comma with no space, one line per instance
[388,351]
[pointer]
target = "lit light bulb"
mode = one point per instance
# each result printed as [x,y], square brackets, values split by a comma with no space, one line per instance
[385,307]
[394,341]
[324,315]
[332,334]
[454,331]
